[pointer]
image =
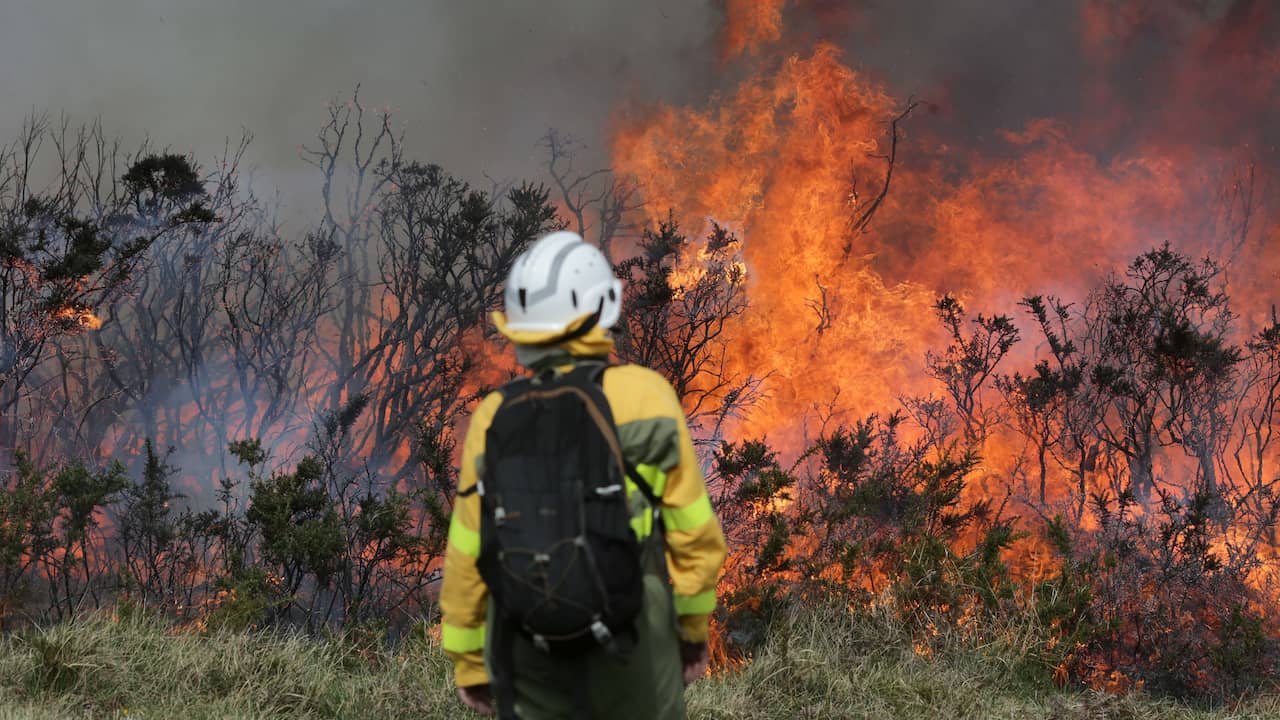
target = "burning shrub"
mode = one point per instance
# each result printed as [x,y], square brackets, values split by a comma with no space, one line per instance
[51,537]
[164,554]
[1162,422]
[863,516]
[681,295]
[893,518]
[69,250]
[335,547]
[1154,599]
[751,492]
[1158,420]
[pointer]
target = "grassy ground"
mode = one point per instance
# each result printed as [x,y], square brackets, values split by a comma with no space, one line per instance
[821,665]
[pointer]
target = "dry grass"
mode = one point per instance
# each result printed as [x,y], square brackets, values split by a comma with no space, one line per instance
[821,664]
[828,665]
[96,668]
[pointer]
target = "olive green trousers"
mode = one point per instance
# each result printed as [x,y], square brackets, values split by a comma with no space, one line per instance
[645,684]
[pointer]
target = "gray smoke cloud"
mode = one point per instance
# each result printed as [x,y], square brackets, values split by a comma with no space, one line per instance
[475,83]
[997,64]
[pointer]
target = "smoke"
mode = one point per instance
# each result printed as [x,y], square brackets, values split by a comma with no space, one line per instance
[1115,70]
[475,84]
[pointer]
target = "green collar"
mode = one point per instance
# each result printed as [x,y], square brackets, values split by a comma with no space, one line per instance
[560,359]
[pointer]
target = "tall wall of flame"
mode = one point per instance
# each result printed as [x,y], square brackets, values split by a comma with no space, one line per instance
[795,146]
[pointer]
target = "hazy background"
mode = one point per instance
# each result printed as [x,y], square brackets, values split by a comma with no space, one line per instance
[475,84]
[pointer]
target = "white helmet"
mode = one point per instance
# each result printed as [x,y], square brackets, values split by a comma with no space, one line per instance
[560,278]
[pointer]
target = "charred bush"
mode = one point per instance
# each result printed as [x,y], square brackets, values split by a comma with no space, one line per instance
[891,516]
[682,294]
[1155,598]
[52,545]
[751,492]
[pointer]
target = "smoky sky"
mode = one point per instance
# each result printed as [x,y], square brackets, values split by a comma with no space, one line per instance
[475,83]
[992,65]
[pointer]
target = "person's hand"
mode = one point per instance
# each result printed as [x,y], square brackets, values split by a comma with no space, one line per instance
[693,656]
[477,697]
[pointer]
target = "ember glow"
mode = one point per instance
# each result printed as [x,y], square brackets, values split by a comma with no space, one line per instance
[82,317]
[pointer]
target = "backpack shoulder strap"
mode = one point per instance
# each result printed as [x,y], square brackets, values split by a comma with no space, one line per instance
[508,390]
[596,374]
[642,484]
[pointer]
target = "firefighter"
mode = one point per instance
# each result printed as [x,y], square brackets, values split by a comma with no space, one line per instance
[560,299]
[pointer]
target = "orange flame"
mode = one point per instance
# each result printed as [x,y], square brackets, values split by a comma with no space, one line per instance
[797,149]
[84,317]
[750,24]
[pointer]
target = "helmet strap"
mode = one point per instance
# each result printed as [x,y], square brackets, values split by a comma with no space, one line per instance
[587,326]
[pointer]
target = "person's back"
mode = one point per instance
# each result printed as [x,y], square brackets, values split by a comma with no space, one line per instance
[681,555]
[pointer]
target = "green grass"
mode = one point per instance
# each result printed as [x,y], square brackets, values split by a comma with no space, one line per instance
[821,664]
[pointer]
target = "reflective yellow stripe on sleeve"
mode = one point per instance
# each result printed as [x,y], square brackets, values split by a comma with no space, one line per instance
[699,604]
[461,640]
[642,524]
[466,541]
[690,517]
[654,476]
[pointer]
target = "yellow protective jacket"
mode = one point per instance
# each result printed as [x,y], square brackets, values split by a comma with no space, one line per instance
[655,439]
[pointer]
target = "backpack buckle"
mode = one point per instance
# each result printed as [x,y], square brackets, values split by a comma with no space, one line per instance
[499,516]
[605,638]
[601,633]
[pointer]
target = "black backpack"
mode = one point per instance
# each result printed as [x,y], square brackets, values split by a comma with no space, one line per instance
[556,546]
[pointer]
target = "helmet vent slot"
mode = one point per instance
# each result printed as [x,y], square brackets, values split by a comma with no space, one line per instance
[522,294]
[573,295]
